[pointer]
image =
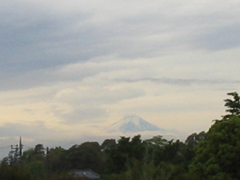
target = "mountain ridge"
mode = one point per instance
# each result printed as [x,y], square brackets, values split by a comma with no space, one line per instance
[133,124]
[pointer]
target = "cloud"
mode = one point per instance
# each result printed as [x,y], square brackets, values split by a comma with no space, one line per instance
[43,34]
[182,82]
[36,129]
[85,115]
[219,38]
[91,102]
[41,39]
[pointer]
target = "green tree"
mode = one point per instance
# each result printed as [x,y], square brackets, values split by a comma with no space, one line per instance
[34,160]
[155,149]
[191,141]
[37,169]
[124,152]
[28,155]
[14,172]
[57,160]
[218,156]
[159,150]
[108,143]
[86,155]
[37,153]
[233,105]
[142,170]
[194,139]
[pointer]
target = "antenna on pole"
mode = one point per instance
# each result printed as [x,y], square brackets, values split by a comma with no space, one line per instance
[20,146]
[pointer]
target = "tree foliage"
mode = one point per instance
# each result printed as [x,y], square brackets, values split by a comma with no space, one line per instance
[57,160]
[86,155]
[233,105]
[123,152]
[218,156]
[14,172]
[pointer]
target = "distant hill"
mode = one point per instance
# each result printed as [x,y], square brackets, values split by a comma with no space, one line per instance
[132,124]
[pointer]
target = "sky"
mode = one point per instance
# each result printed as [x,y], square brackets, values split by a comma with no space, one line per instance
[70,69]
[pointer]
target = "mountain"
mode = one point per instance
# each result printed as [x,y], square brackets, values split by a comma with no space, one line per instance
[132,124]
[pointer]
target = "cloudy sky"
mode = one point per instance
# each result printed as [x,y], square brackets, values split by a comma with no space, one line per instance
[71,68]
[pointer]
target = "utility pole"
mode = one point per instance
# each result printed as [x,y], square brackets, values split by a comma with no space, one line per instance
[20,147]
[16,152]
[13,154]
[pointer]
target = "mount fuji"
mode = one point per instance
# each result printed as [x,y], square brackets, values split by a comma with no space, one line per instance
[133,124]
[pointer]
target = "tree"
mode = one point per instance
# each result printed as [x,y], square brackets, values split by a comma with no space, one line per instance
[108,143]
[160,150]
[28,155]
[155,149]
[13,172]
[37,169]
[86,155]
[218,156]
[195,138]
[191,141]
[233,106]
[124,153]
[56,160]
[39,150]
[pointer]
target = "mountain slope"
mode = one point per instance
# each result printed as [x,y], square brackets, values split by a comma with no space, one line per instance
[131,124]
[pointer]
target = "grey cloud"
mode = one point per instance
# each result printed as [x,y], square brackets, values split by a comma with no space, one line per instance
[36,41]
[36,129]
[90,106]
[31,51]
[85,115]
[33,40]
[47,76]
[35,45]
[219,38]
[182,82]
[82,114]
[101,96]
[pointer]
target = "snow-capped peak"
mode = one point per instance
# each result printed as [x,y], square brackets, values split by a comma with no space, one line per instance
[133,119]
[132,123]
